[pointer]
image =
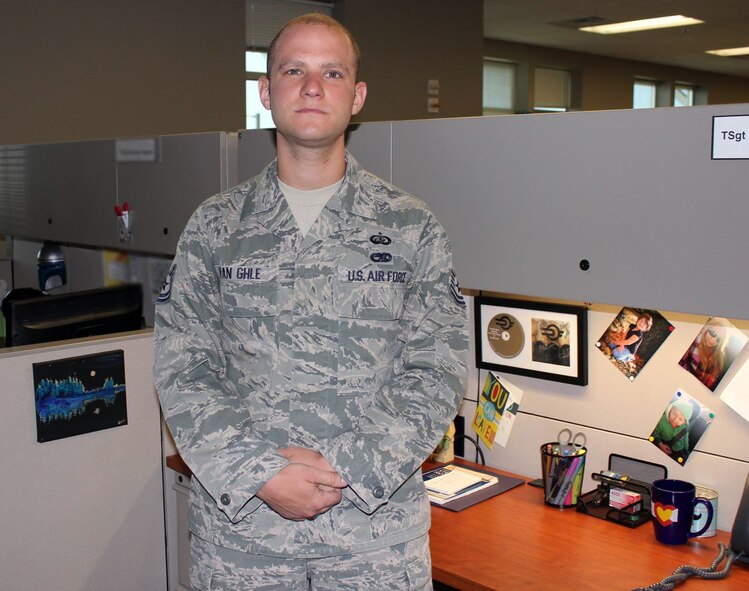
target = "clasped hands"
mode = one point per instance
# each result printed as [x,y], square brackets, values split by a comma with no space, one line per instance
[304,489]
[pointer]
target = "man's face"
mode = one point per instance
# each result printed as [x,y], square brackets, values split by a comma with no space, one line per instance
[312,91]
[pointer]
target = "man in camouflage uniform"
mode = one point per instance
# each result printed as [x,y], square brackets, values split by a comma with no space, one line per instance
[306,376]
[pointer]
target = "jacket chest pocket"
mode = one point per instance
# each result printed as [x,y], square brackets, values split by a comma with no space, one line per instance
[370,301]
[249,300]
[249,316]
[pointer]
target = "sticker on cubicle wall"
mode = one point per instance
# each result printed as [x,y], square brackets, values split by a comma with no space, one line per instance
[730,137]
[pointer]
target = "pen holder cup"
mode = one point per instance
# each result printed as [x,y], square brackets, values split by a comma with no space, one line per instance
[563,471]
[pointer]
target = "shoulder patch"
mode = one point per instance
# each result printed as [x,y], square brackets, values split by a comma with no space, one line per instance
[166,289]
[455,289]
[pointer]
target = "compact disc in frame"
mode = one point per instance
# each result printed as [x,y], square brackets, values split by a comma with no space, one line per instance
[505,335]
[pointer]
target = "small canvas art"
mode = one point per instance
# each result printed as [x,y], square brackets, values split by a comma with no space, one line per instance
[632,339]
[79,395]
[713,351]
[681,426]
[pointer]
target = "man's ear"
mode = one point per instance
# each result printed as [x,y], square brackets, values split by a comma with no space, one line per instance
[263,86]
[360,95]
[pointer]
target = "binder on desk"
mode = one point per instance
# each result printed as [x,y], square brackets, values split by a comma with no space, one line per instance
[493,486]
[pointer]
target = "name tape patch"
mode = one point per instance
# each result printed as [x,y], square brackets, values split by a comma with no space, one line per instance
[247,273]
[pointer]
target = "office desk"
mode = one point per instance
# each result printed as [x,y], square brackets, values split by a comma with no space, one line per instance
[515,541]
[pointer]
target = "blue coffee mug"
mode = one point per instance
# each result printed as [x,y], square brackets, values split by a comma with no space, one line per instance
[672,506]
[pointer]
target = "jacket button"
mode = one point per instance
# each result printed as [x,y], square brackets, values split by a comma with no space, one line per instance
[225,499]
[378,492]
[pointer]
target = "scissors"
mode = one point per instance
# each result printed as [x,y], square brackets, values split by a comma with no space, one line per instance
[569,444]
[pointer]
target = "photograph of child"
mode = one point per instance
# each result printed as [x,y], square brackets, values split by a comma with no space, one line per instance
[633,338]
[713,351]
[681,426]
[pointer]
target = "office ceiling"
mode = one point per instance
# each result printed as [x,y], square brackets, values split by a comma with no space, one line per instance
[552,23]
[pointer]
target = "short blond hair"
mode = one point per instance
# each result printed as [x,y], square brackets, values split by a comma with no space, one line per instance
[314,18]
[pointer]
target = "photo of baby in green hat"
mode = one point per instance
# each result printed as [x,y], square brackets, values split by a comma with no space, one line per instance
[680,427]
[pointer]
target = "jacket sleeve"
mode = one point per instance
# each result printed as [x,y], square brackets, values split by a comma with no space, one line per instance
[209,424]
[412,412]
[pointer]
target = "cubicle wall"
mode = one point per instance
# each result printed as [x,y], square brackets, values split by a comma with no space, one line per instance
[525,198]
[67,191]
[84,513]
[635,193]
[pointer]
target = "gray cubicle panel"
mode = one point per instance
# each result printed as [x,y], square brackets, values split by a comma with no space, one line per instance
[526,198]
[58,191]
[370,144]
[162,195]
[255,149]
[67,191]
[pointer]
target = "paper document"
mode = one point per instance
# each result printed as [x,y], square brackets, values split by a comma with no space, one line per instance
[452,480]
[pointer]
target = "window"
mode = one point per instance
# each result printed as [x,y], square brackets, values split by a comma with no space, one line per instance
[644,94]
[499,87]
[552,90]
[258,117]
[683,95]
[263,19]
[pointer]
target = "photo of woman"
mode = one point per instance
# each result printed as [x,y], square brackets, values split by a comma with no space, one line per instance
[713,351]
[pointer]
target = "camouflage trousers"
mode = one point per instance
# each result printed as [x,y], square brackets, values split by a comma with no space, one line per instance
[402,567]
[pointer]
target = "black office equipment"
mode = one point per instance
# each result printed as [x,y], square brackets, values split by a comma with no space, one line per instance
[740,531]
[624,473]
[41,319]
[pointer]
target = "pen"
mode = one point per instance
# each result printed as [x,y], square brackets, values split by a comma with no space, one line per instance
[470,487]
[576,486]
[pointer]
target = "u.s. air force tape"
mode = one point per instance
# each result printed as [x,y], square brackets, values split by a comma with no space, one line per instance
[374,275]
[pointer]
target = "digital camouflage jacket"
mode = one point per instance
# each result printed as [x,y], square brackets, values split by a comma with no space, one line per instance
[351,341]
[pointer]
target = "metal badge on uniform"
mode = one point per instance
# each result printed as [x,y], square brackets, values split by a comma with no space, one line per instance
[380,239]
[381,257]
[166,289]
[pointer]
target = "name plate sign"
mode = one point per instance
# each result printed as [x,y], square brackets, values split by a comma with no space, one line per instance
[731,137]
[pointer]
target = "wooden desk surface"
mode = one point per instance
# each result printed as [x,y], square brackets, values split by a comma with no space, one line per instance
[515,541]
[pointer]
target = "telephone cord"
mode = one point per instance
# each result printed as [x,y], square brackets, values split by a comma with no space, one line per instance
[685,571]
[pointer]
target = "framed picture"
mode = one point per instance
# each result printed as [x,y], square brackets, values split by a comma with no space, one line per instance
[535,339]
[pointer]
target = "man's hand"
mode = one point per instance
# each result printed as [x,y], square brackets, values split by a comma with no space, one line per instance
[304,489]
[303,455]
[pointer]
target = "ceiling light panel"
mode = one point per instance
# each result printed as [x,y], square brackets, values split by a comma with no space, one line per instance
[647,24]
[734,51]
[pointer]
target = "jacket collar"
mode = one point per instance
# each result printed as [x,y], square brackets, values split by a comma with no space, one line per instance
[264,199]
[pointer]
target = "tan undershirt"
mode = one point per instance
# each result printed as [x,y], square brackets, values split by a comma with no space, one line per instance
[307,205]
